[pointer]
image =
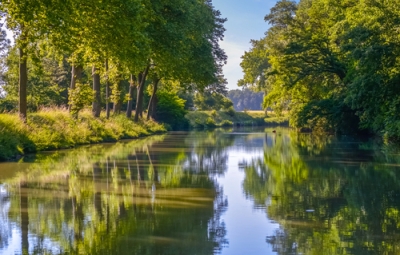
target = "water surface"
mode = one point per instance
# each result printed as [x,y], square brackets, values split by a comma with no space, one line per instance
[210,192]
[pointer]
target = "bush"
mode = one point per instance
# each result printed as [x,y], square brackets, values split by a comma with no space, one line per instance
[8,104]
[171,110]
[210,123]
[214,114]
[230,111]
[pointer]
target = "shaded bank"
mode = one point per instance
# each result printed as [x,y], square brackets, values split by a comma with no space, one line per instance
[57,129]
[209,119]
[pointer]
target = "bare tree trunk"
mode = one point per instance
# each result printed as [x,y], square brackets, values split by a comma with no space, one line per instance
[76,75]
[23,84]
[96,108]
[140,90]
[131,94]
[107,92]
[151,108]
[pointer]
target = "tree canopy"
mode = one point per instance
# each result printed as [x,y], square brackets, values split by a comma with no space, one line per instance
[107,43]
[332,64]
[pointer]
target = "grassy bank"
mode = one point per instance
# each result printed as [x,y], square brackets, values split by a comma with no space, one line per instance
[209,119]
[56,129]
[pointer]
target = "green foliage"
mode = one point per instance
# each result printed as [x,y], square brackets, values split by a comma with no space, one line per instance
[246,99]
[230,111]
[14,138]
[255,65]
[277,121]
[48,80]
[171,109]
[80,97]
[55,129]
[211,101]
[202,119]
[179,40]
[332,65]
[8,104]
[327,115]
[210,122]
[226,123]
[213,113]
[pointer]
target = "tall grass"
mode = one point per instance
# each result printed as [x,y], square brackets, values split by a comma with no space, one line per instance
[54,128]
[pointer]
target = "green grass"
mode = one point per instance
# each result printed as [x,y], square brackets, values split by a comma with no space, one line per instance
[206,119]
[52,129]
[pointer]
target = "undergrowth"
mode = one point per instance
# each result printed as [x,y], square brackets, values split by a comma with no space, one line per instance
[55,128]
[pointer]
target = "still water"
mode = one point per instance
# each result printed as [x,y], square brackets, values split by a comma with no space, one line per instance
[217,192]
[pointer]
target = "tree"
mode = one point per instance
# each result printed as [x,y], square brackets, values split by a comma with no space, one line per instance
[305,65]
[47,83]
[255,66]
[211,101]
[246,99]
[190,53]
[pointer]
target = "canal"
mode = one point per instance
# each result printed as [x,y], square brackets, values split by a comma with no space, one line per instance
[242,191]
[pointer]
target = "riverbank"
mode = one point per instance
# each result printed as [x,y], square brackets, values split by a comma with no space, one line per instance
[210,119]
[57,129]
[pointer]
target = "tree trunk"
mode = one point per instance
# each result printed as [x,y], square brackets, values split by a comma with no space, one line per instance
[23,84]
[140,90]
[96,107]
[117,108]
[152,103]
[76,75]
[107,92]
[118,103]
[131,94]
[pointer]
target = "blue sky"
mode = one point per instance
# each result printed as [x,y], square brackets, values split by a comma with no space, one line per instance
[245,22]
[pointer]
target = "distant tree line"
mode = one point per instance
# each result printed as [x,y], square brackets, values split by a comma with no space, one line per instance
[332,64]
[246,99]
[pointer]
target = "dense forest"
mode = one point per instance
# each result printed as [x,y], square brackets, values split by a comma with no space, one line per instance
[333,65]
[117,55]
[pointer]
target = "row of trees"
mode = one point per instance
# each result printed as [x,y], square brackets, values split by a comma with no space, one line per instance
[120,46]
[333,64]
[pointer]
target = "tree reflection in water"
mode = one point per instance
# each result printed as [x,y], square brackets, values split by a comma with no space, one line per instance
[5,226]
[330,196]
[131,198]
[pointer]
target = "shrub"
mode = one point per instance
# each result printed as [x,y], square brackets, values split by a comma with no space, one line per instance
[80,97]
[171,110]
[214,113]
[230,111]
[210,123]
